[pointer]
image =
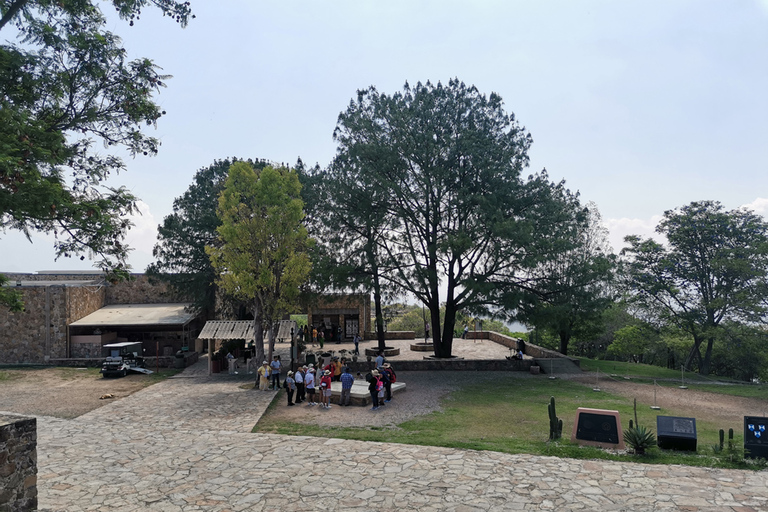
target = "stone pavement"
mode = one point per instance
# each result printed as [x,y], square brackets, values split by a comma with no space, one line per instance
[185,445]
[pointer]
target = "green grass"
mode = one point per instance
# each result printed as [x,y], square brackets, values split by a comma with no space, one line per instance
[645,373]
[502,412]
[635,370]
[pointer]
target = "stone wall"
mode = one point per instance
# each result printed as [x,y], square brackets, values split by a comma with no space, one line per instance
[361,302]
[460,365]
[18,464]
[391,335]
[530,349]
[84,300]
[38,332]
[141,290]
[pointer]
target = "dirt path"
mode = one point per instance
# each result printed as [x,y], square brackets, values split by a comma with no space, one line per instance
[62,392]
[718,408]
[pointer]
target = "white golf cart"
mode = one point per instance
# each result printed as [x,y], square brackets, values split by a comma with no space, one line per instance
[122,358]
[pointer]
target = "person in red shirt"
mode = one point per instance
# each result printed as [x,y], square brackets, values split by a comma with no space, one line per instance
[325,389]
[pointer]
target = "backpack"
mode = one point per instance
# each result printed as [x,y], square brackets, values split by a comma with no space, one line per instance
[368,377]
[392,375]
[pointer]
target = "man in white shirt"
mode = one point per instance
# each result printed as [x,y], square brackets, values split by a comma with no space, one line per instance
[309,384]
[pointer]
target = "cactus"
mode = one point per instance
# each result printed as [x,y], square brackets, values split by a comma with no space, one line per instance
[555,423]
[631,425]
[731,446]
[722,438]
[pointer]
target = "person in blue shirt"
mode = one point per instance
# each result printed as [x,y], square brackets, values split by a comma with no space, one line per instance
[347,379]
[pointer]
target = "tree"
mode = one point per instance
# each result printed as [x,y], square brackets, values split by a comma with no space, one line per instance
[66,86]
[181,259]
[712,269]
[262,255]
[572,289]
[352,231]
[450,161]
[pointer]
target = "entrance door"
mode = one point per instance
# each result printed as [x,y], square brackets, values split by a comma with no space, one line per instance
[351,327]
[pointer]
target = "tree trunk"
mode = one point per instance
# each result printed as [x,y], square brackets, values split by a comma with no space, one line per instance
[565,337]
[258,337]
[379,314]
[705,363]
[449,322]
[271,340]
[693,353]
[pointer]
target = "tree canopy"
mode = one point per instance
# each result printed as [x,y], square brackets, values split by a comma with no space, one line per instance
[712,269]
[262,254]
[66,85]
[180,257]
[569,292]
[449,161]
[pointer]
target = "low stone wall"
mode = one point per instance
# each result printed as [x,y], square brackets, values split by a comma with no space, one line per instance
[459,365]
[508,341]
[18,463]
[391,335]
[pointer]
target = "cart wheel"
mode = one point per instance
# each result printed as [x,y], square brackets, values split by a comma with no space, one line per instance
[125,372]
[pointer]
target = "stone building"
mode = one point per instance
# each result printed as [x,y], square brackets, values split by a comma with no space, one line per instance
[58,304]
[350,312]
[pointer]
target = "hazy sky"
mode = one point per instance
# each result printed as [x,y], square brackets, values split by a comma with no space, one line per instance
[642,106]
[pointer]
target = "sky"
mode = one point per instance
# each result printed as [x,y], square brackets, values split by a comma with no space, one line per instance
[641,106]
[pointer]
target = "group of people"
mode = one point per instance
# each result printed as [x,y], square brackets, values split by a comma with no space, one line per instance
[307,383]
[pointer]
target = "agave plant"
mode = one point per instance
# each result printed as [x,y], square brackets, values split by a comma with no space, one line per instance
[639,439]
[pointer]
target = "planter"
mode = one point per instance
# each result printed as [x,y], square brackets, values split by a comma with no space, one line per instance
[535,370]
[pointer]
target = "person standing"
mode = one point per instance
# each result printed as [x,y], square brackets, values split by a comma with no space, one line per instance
[357,344]
[321,338]
[347,379]
[299,379]
[309,384]
[389,378]
[336,373]
[373,389]
[379,359]
[263,372]
[464,334]
[314,336]
[426,331]
[325,389]
[274,371]
[290,387]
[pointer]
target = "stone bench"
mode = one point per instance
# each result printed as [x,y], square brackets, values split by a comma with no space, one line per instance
[360,394]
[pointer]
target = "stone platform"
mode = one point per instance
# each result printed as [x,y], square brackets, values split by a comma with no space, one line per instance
[360,394]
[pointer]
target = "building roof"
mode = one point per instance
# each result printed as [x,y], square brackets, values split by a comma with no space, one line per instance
[68,283]
[137,314]
[227,330]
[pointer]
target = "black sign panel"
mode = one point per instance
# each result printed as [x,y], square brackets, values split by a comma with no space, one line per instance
[601,428]
[676,433]
[755,437]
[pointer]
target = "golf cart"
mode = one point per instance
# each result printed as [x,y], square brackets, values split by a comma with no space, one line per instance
[122,358]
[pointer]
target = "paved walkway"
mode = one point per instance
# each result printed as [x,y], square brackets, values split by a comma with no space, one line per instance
[185,445]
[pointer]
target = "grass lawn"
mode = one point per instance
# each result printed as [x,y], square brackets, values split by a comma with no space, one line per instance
[511,416]
[646,373]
